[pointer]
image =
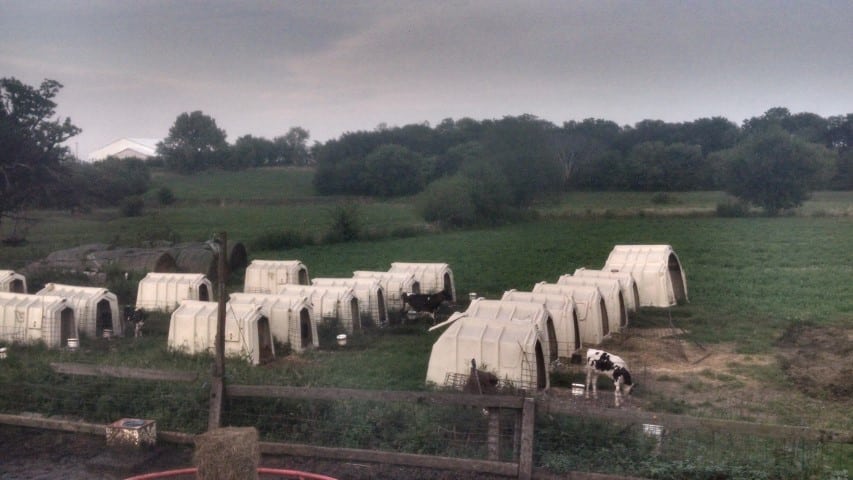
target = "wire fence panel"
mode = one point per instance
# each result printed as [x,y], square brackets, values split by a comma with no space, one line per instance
[404,427]
[571,434]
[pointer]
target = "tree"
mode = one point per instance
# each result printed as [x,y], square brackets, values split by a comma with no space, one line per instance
[32,157]
[292,148]
[653,166]
[392,171]
[520,148]
[581,146]
[775,170]
[249,151]
[194,143]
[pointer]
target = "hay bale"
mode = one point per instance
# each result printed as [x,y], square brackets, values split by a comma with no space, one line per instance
[230,453]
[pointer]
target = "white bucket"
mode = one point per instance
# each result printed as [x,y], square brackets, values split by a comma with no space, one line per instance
[2,353]
[578,389]
[342,339]
[107,333]
[472,296]
[73,343]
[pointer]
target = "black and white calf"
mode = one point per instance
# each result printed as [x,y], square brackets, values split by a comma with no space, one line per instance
[599,362]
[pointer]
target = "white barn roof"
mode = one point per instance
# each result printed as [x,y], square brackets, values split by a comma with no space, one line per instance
[127,148]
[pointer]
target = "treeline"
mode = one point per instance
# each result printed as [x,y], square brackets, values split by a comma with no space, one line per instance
[592,154]
[468,171]
[196,143]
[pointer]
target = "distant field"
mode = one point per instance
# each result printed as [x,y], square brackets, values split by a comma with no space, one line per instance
[268,184]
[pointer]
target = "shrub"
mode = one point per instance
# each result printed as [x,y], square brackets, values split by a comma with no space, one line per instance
[346,225]
[281,241]
[448,202]
[132,206]
[732,209]
[165,196]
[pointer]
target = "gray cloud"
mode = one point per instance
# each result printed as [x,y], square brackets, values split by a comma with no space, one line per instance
[130,68]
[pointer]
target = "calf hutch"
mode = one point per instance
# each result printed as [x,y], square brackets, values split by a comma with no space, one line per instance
[12,282]
[37,318]
[432,277]
[630,292]
[611,292]
[332,305]
[96,308]
[564,313]
[510,311]
[394,285]
[165,291]
[200,258]
[656,269]
[247,331]
[592,313]
[370,294]
[268,276]
[512,351]
[290,317]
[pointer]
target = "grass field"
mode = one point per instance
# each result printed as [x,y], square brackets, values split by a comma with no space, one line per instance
[749,279]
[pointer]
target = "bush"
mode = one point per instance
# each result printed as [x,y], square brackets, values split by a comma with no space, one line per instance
[732,209]
[448,202]
[280,241]
[132,206]
[165,196]
[346,225]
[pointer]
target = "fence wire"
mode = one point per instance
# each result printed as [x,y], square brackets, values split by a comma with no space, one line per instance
[562,442]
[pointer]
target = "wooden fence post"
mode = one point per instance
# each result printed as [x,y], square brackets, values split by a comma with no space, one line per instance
[525,457]
[217,389]
[494,441]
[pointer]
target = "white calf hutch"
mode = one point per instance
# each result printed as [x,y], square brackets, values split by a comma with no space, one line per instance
[656,269]
[507,311]
[630,292]
[432,277]
[564,313]
[247,331]
[331,305]
[290,317]
[611,292]
[370,294]
[592,313]
[165,291]
[394,285]
[268,276]
[96,309]
[37,318]
[12,282]
[512,351]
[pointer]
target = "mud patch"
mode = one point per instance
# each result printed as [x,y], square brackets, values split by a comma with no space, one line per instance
[818,360]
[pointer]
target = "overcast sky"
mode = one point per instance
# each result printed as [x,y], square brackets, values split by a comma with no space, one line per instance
[129,68]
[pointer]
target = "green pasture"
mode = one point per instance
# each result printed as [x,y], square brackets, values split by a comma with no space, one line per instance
[748,278]
[270,185]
